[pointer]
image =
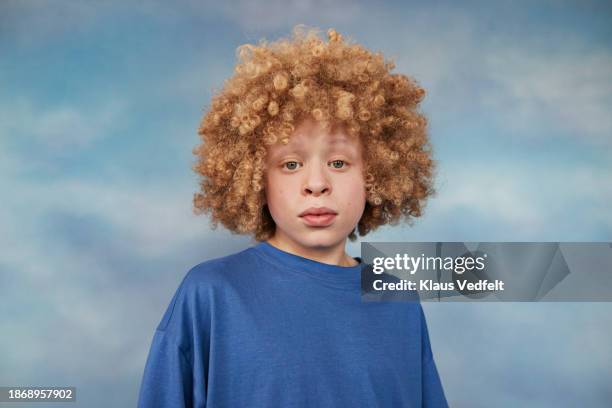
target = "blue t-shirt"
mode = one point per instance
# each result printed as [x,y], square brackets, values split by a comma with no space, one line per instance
[267,328]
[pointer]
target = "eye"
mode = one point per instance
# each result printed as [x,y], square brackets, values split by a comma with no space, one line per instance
[292,165]
[338,164]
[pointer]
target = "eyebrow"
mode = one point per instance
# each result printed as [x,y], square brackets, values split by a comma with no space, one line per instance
[299,147]
[339,141]
[287,149]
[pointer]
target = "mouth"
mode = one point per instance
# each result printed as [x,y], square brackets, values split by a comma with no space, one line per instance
[318,220]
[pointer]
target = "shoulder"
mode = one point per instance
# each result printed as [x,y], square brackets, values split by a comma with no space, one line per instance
[204,283]
[219,271]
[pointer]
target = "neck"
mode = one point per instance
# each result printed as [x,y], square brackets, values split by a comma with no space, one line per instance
[333,255]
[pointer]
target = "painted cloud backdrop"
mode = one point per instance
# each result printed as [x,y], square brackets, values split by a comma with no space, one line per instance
[99,106]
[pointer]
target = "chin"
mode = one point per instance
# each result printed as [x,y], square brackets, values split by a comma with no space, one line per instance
[322,239]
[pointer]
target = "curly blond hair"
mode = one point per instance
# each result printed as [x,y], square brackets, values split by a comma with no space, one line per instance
[274,87]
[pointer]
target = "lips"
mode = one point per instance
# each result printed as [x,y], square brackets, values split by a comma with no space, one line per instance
[317,211]
[318,217]
[322,220]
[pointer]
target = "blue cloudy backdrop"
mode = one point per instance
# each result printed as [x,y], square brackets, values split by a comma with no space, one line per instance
[99,106]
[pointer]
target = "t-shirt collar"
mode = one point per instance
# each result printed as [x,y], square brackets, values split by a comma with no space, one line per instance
[319,270]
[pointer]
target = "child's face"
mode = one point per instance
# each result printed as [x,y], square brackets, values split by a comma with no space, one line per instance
[315,169]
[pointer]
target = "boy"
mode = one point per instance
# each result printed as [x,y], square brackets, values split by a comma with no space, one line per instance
[308,142]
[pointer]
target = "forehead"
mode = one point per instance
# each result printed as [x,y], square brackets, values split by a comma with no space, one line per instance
[310,134]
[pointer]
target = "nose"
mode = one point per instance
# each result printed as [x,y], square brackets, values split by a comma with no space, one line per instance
[316,181]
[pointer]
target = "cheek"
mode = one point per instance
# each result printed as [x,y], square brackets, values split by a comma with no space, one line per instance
[355,191]
[276,194]
[356,186]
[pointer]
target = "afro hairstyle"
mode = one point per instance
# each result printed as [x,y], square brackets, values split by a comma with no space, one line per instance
[335,82]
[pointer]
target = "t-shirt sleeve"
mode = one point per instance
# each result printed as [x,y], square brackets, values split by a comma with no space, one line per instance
[433,393]
[174,375]
[167,380]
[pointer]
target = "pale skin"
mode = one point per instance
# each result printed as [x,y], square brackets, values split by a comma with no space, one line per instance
[315,169]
